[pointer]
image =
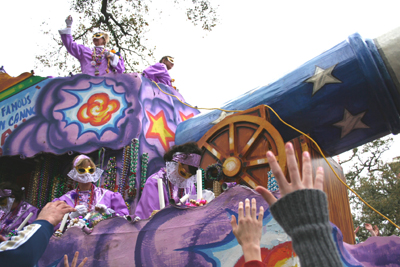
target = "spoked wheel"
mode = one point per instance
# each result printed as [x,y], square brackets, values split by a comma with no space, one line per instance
[240,144]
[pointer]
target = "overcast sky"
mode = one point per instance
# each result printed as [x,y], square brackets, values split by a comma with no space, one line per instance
[254,44]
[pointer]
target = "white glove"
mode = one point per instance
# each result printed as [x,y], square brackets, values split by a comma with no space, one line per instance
[68,21]
[80,210]
[110,211]
[109,54]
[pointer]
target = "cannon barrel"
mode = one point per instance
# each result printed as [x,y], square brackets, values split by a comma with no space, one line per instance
[345,97]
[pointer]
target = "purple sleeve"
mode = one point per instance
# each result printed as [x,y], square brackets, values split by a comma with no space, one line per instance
[117,203]
[149,199]
[23,212]
[73,48]
[120,68]
[66,198]
[158,73]
[28,247]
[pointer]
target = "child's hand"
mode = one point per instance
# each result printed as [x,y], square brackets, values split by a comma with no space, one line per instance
[248,231]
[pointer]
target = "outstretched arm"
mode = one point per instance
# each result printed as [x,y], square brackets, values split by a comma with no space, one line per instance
[303,210]
[66,37]
[27,247]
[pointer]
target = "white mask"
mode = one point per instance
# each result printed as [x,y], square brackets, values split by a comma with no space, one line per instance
[7,207]
[85,177]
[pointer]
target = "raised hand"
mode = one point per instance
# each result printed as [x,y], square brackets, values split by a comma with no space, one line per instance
[376,230]
[297,183]
[356,231]
[248,231]
[69,21]
[74,260]
[368,227]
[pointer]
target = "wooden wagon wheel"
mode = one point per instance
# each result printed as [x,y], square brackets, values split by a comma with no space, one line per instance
[240,143]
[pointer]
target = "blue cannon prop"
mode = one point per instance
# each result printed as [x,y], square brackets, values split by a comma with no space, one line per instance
[343,98]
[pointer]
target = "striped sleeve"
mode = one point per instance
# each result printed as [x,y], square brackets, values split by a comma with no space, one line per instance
[26,248]
[20,239]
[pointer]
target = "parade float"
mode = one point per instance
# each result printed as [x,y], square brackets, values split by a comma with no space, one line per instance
[345,97]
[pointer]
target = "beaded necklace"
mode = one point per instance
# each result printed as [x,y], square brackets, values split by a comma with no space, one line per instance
[133,167]
[91,197]
[96,62]
[143,174]
[44,182]
[35,184]
[111,175]
[126,159]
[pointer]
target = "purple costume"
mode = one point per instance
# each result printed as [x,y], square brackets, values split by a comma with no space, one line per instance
[111,199]
[11,220]
[149,199]
[84,55]
[158,73]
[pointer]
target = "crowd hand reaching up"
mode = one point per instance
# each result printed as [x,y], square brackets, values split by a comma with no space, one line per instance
[307,225]
[356,231]
[74,261]
[376,230]
[53,212]
[373,230]
[297,183]
[69,21]
[248,231]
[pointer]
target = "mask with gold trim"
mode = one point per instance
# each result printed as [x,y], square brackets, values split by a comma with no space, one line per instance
[175,176]
[6,204]
[82,170]
[171,59]
[85,175]
[182,171]
[103,35]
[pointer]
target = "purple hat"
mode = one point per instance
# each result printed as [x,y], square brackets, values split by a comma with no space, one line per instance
[80,157]
[5,193]
[189,159]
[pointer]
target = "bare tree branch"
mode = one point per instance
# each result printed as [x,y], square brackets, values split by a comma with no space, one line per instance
[86,31]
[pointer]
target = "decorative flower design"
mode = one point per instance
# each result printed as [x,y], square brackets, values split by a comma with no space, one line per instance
[98,110]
